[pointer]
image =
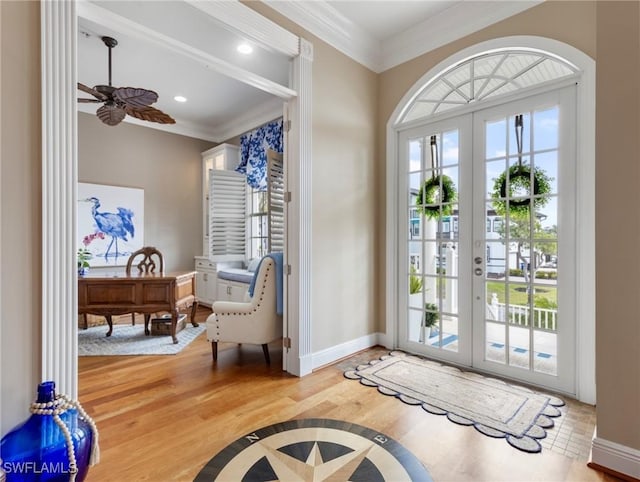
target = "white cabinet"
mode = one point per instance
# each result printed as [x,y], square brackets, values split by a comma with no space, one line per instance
[231,290]
[206,281]
[222,157]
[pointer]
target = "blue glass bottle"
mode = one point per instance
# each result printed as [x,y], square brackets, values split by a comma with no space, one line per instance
[36,450]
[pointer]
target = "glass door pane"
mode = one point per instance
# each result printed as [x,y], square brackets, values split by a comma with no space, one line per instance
[517,237]
[432,245]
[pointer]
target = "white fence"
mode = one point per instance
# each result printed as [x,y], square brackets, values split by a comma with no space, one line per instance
[543,318]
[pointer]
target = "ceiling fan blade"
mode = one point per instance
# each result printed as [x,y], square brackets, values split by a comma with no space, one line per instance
[88,100]
[150,114]
[93,92]
[135,97]
[110,114]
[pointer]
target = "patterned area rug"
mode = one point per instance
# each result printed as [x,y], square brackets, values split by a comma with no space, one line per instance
[492,406]
[131,340]
[312,450]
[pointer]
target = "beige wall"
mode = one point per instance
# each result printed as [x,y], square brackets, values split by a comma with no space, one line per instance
[344,199]
[345,252]
[608,32]
[20,212]
[617,222]
[169,169]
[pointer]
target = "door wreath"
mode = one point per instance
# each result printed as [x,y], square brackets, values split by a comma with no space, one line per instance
[520,176]
[426,202]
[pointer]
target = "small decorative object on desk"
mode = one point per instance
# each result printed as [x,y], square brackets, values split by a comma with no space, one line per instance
[58,442]
[83,255]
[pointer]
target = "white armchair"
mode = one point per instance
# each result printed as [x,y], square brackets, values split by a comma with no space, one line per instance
[255,321]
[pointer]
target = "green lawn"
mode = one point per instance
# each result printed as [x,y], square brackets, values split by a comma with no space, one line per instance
[520,297]
[546,295]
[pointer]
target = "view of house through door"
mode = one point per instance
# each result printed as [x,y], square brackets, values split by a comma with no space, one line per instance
[486,262]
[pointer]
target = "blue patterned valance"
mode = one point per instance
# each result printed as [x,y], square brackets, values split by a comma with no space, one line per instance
[253,152]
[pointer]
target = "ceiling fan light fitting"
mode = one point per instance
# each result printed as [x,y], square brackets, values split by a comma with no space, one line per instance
[109,41]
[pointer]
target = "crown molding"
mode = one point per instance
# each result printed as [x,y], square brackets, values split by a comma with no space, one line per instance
[458,21]
[181,127]
[248,120]
[461,19]
[326,23]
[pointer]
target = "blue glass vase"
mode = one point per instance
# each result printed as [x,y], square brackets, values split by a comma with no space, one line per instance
[36,450]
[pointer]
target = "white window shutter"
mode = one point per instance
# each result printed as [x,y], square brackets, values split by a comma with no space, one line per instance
[227,205]
[275,189]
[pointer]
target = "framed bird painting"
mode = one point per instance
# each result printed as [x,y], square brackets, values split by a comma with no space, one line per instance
[110,222]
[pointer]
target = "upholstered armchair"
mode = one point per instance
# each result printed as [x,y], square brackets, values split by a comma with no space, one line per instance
[254,321]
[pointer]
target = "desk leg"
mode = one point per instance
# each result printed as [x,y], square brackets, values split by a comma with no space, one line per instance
[110,323]
[194,307]
[174,322]
[147,319]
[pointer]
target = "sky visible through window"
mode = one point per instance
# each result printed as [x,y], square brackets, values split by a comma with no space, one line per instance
[500,146]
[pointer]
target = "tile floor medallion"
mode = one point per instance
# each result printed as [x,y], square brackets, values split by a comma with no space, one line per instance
[314,449]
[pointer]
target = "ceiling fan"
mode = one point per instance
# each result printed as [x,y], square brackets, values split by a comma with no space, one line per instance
[120,101]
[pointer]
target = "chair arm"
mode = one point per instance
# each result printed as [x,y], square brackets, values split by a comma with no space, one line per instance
[231,307]
[241,323]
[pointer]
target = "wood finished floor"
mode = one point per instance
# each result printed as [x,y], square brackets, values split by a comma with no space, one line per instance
[162,418]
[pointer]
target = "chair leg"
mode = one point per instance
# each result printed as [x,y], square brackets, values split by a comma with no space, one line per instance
[133,318]
[214,350]
[265,350]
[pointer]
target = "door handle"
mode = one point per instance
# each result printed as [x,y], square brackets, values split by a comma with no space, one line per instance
[477,260]
[478,271]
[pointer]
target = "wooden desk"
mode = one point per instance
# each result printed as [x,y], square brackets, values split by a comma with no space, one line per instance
[115,293]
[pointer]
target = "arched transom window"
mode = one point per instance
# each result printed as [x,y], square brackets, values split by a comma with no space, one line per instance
[485,77]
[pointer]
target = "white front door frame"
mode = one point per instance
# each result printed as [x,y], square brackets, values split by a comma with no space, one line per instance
[585,195]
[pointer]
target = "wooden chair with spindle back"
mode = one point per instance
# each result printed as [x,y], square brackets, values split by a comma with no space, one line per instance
[148,260]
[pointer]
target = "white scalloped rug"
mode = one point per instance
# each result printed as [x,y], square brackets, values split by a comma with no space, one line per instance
[131,340]
[493,407]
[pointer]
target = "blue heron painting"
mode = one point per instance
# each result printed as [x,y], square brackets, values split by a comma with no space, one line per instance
[111,224]
[117,225]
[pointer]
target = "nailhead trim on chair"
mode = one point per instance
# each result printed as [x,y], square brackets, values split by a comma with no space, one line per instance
[264,286]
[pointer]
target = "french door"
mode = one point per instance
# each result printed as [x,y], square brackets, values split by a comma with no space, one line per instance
[487,259]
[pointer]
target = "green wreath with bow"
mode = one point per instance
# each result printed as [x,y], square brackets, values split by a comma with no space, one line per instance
[426,202]
[519,177]
[426,199]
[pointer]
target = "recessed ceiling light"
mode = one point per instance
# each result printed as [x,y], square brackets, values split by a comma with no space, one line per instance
[180,98]
[245,48]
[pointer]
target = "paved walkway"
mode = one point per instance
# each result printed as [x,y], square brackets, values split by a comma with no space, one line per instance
[544,350]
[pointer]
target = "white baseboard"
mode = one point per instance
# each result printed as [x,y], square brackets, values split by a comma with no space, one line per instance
[330,355]
[616,457]
[305,365]
[385,340]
